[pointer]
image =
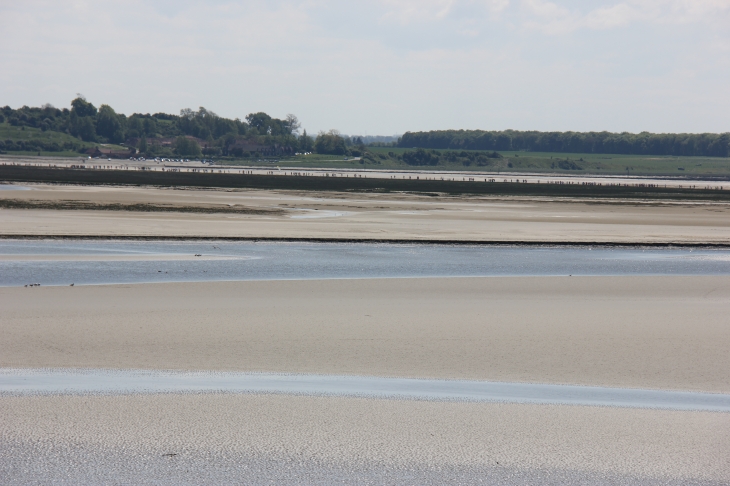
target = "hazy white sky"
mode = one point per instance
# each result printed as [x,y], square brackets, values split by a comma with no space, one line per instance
[382,66]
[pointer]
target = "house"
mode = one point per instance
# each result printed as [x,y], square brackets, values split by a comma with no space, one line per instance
[93,152]
[110,154]
[241,147]
[168,142]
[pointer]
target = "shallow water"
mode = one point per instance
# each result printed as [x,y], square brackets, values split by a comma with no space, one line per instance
[62,262]
[13,187]
[121,382]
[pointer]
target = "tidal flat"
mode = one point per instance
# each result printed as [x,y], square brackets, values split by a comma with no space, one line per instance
[636,318]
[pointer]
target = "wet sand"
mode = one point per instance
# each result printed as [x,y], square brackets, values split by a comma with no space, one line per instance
[642,332]
[258,439]
[365,216]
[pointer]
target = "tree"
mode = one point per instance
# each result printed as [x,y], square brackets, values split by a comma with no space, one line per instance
[186,147]
[82,107]
[292,124]
[150,126]
[143,144]
[260,121]
[86,129]
[135,128]
[266,125]
[306,143]
[108,124]
[330,143]
[82,127]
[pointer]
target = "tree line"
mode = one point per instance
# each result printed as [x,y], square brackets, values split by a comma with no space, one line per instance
[190,129]
[423,157]
[679,144]
[203,132]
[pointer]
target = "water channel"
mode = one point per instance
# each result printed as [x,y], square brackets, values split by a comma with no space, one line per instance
[122,382]
[82,262]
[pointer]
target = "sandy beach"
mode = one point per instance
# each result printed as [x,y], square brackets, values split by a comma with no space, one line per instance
[291,214]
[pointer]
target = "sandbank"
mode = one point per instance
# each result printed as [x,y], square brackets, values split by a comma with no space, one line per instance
[362,216]
[641,332]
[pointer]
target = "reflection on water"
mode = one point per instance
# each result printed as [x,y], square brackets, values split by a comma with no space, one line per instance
[119,382]
[54,262]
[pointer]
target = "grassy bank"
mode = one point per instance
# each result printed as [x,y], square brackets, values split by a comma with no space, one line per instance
[65,145]
[570,163]
[532,162]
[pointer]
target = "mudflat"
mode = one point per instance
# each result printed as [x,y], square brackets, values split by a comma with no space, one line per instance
[328,215]
[644,332]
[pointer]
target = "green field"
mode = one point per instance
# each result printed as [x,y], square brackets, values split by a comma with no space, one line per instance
[10,132]
[621,164]
[533,162]
[43,153]
[600,164]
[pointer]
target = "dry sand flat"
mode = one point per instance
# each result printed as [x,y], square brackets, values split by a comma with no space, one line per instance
[364,216]
[646,332]
[308,440]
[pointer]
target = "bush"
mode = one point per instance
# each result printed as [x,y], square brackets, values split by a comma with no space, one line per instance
[187,148]
[330,143]
[421,157]
[569,165]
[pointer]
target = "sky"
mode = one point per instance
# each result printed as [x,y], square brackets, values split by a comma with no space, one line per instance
[382,67]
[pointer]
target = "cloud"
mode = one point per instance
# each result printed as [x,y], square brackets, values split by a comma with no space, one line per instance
[552,18]
[610,17]
[406,12]
[415,11]
[381,66]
